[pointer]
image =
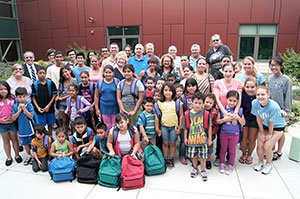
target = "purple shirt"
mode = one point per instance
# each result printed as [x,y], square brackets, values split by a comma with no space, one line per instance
[230,129]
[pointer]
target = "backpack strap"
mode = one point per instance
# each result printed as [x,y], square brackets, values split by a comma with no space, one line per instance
[35,84]
[143,118]
[78,102]
[116,81]
[183,99]
[49,87]
[69,103]
[177,103]
[132,89]
[187,119]
[46,141]
[91,87]
[100,82]
[157,110]
[60,88]
[205,120]
[89,132]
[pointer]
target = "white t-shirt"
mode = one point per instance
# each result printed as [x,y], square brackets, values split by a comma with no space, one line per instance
[53,74]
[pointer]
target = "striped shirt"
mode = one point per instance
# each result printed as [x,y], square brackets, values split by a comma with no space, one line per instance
[150,124]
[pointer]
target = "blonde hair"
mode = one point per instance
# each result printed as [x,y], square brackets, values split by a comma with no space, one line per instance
[251,59]
[163,58]
[251,79]
[122,54]
[15,66]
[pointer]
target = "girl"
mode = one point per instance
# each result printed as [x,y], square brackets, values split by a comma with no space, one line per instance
[271,125]
[166,123]
[61,147]
[95,73]
[89,57]
[41,145]
[280,87]
[130,94]
[150,72]
[66,79]
[156,95]
[250,129]
[106,97]
[230,130]
[8,128]
[188,71]
[124,138]
[237,68]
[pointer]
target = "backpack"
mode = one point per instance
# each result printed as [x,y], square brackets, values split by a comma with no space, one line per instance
[240,113]
[62,169]
[132,173]
[100,82]
[132,89]
[91,88]
[205,120]
[183,99]
[158,112]
[154,161]
[35,84]
[88,168]
[75,139]
[144,120]
[86,115]
[110,171]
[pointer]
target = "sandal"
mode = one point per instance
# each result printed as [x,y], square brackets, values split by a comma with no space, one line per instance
[8,162]
[27,161]
[249,161]
[19,159]
[242,160]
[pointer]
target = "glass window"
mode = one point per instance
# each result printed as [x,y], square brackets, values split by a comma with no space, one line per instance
[124,35]
[247,30]
[132,30]
[118,41]
[6,10]
[115,30]
[12,54]
[267,29]
[265,47]
[246,47]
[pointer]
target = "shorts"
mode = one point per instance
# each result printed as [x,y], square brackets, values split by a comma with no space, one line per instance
[62,107]
[26,140]
[168,134]
[274,129]
[199,151]
[47,118]
[5,128]
[251,123]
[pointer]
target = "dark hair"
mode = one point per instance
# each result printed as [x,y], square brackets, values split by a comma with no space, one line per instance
[80,53]
[58,52]
[279,61]
[84,72]
[227,64]
[190,67]
[150,78]
[104,47]
[102,126]
[191,81]
[79,120]
[172,88]
[21,91]
[61,77]
[177,85]
[40,129]
[50,51]
[71,50]
[226,56]
[128,66]
[201,58]
[156,91]
[75,86]
[186,55]
[171,75]
[6,85]
[107,67]
[233,93]
[124,116]
[127,46]
[211,96]
[199,96]
[148,100]
[88,61]
[40,68]
[60,130]
[153,60]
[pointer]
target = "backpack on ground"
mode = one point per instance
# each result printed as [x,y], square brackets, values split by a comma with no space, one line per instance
[154,161]
[62,169]
[110,171]
[88,168]
[132,173]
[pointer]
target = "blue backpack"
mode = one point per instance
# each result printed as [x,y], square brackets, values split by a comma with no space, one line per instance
[62,169]
[183,99]
[35,84]
[77,105]
[132,89]
[158,112]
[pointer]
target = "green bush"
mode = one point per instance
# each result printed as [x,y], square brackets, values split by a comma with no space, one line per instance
[295,113]
[83,49]
[291,63]
[5,69]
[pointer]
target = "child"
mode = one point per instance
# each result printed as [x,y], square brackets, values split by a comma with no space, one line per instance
[124,138]
[160,83]
[106,104]
[98,146]
[41,145]
[280,86]
[146,122]
[191,87]
[80,66]
[43,96]
[82,137]
[8,128]
[156,95]
[76,104]
[250,129]
[197,134]
[230,130]
[61,147]
[171,78]
[24,112]
[179,90]
[149,85]
[166,123]
[271,125]
[237,68]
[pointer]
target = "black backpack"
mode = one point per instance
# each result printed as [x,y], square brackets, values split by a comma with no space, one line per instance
[88,168]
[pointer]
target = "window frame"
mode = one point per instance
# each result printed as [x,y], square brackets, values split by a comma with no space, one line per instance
[123,36]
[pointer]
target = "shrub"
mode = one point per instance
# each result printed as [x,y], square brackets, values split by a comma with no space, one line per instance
[295,113]
[83,49]
[5,69]
[291,63]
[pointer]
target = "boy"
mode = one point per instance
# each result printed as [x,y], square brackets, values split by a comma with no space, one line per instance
[98,146]
[171,78]
[146,122]
[149,84]
[179,90]
[82,137]
[80,67]
[195,135]
[160,83]
[43,95]
[24,112]
[156,95]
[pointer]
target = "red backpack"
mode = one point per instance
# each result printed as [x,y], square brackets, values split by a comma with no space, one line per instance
[205,120]
[132,173]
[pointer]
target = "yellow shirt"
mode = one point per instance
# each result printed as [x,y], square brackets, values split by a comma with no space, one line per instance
[169,117]
[39,148]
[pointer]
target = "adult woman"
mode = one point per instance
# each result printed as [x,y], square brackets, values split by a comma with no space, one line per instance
[129,102]
[18,80]
[151,71]
[167,66]
[187,71]
[205,81]
[95,73]
[250,71]
[89,56]
[122,60]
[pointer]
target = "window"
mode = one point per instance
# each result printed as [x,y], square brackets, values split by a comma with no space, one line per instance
[258,41]
[8,8]
[123,35]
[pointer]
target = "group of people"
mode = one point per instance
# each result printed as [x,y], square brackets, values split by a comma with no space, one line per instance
[123,102]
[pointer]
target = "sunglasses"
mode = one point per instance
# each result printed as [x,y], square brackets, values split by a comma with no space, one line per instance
[18,69]
[215,40]
[28,57]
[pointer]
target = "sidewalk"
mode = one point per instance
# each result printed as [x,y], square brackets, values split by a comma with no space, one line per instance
[18,181]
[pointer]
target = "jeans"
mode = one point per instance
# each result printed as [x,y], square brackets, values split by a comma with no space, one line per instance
[182,147]
[44,167]
[168,134]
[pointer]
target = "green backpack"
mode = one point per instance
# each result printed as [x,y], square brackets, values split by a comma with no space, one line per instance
[110,171]
[154,161]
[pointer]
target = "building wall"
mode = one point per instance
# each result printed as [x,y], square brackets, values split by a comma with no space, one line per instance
[57,23]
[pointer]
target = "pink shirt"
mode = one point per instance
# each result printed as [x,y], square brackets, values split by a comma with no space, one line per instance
[6,108]
[95,78]
[223,88]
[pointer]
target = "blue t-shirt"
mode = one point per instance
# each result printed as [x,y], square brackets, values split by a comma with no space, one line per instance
[78,70]
[260,78]
[139,65]
[150,126]
[25,125]
[108,100]
[269,113]
[101,144]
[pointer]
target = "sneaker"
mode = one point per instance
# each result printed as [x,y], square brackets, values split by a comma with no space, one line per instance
[259,166]
[203,176]
[27,161]
[267,169]
[217,162]
[208,164]
[222,168]
[167,162]
[229,170]
[194,172]
[31,161]
[276,156]
[183,161]
[171,163]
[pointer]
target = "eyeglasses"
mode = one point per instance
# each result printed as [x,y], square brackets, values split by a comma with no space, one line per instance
[215,40]
[28,57]
[18,69]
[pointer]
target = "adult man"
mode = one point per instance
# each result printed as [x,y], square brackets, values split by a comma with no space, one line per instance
[195,56]
[29,67]
[71,53]
[139,61]
[173,51]
[150,51]
[80,66]
[128,51]
[111,60]
[53,71]
[104,54]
